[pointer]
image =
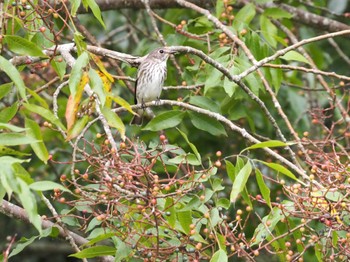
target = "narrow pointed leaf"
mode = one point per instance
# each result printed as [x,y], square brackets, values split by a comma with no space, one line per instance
[96,251]
[95,10]
[14,75]
[219,256]
[294,56]
[240,181]
[45,113]
[270,143]
[15,139]
[39,148]
[77,128]
[12,127]
[114,121]
[207,124]
[96,84]
[280,169]
[192,146]
[47,185]
[120,101]
[265,191]
[74,101]
[77,72]
[165,120]
[5,151]
[23,46]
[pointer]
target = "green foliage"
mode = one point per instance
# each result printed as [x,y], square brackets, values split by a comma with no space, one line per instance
[236,166]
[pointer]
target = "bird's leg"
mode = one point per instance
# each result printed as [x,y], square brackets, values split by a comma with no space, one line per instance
[143,106]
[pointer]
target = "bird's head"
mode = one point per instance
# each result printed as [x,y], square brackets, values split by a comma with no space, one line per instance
[161,54]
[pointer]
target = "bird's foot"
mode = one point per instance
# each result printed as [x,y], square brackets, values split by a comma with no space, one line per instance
[157,101]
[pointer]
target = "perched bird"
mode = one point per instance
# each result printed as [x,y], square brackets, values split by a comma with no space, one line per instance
[150,79]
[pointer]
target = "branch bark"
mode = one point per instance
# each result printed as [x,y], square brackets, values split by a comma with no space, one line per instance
[16,212]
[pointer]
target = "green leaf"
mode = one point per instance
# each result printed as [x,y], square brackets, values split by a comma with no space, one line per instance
[294,56]
[230,169]
[38,98]
[185,219]
[14,139]
[39,148]
[77,72]
[244,17]
[277,13]
[74,7]
[95,10]
[229,86]
[98,239]
[22,46]
[59,67]
[221,240]
[223,202]
[77,127]
[47,185]
[120,101]
[213,80]
[5,89]
[265,191]
[270,143]
[29,204]
[280,169]
[114,121]
[217,184]
[263,230]
[192,146]
[11,127]
[276,77]
[185,158]
[240,181]
[205,102]
[22,173]
[79,42]
[45,113]
[9,151]
[14,75]
[97,86]
[8,113]
[169,207]
[214,217]
[96,251]
[207,124]
[219,256]
[268,30]
[318,252]
[123,250]
[22,244]
[165,120]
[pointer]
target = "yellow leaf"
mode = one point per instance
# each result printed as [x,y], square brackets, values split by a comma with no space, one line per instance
[100,66]
[120,101]
[74,101]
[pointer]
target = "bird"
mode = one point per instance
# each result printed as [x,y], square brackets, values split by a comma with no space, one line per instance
[150,78]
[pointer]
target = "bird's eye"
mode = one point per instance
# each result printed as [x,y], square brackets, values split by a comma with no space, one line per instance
[161,51]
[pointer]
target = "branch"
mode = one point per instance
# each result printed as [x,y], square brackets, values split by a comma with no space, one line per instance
[14,211]
[281,52]
[316,21]
[105,5]
[244,133]
[309,70]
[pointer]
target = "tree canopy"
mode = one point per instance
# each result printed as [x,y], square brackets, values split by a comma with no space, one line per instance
[245,159]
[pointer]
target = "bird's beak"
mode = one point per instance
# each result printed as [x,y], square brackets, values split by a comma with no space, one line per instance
[169,51]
